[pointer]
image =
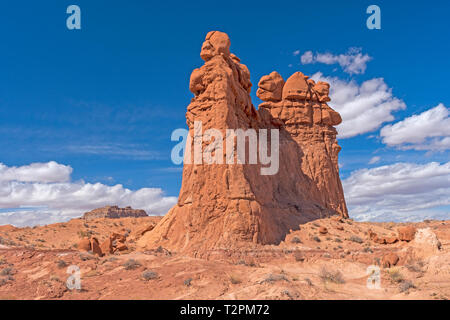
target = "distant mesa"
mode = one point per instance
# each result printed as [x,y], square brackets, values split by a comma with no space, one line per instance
[114,212]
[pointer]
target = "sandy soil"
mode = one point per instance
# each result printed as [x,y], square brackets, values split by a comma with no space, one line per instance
[307,265]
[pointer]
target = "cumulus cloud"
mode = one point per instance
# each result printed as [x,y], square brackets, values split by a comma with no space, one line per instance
[352,62]
[42,193]
[364,108]
[399,192]
[42,172]
[429,130]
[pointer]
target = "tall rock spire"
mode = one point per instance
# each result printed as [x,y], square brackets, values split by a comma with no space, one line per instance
[228,205]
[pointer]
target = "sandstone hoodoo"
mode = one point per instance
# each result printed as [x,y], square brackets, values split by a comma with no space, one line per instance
[114,212]
[224,206]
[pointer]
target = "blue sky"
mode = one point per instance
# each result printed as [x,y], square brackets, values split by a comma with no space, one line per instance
[105,99]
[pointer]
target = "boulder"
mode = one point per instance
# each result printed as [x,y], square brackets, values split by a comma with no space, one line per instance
[106,246]
[406,233]
[84,245]
[95,247]
[389,260]
[323,230]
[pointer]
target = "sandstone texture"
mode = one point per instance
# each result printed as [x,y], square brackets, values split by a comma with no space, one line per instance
[114,212]
[224,205]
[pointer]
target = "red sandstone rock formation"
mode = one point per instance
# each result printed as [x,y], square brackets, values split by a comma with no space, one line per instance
[304,112]
[114,212]
[232,205]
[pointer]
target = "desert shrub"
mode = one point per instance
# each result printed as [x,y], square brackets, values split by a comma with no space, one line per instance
[61,264]
[275,277]
[415,266]
[131,264]
[287,293]
[405,285]
[331,276]
[356,239]
[82,234]
[187,282]
[2,282]
[149,275]
[316,238]
[395,276]
[6,271]
[367,249]
[296,240]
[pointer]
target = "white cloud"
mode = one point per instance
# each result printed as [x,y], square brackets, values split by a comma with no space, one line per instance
[363,108]
[429,130]
[307,57]
[399,192]
[374,160]
[47,195]
[296,52]
[42,172]
[353,62]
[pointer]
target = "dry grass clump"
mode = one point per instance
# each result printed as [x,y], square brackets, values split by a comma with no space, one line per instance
[131,264]
[331,276]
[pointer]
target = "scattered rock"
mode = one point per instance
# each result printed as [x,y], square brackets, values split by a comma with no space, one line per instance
[406,233]
[389,260]
[323,230]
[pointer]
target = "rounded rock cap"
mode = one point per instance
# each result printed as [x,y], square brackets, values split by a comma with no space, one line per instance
[296,87]
[216,42]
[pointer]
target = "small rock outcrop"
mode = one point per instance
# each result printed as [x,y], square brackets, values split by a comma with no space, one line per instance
[223,205]
[406,233]
[389,260]
[91,245]
[114,212]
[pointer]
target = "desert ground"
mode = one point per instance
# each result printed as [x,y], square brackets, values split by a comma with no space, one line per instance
[324,259]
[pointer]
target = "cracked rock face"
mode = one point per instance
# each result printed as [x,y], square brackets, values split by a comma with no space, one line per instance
[227,206]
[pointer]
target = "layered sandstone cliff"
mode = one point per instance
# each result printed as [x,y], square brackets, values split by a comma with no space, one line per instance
[225,205]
